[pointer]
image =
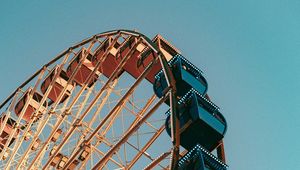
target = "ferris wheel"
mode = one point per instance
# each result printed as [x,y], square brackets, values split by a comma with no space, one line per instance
[117,100]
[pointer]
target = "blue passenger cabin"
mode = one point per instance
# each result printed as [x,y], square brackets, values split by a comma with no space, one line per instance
[200,122]
[187,76]
[199,158]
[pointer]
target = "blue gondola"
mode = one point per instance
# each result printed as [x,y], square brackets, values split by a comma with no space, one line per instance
[187,76]
[199,158]
[200,122]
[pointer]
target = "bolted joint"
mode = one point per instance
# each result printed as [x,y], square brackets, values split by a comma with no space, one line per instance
[77,123]
[16,125]
[94,39]
[67,112]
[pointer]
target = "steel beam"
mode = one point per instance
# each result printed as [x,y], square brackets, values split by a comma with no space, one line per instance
[112,77]
[104,160]
[148,144]
[157,160]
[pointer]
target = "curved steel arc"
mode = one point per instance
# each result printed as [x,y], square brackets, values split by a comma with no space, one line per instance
[83,42]
[17,145]
[112,77]
[78,95]
[142,38]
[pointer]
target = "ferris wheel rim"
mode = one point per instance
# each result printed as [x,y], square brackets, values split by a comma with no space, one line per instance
[150,44]
[77,45]
[116,39]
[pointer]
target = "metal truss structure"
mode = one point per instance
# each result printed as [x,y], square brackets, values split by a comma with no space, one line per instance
[93,107]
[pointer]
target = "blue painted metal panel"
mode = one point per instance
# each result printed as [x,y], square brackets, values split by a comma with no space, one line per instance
[200,121]
[187,76]
[199,158]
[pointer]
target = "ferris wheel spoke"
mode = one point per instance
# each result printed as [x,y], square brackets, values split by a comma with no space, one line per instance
[5,118]
[56,103]
[103,161]
[157,161]
[121,101]
[137,118]
[41,124]
[84,114]
[148,144]
[60,120]
[135,121]
[95,111]
[99,108]
[18,142]
[109,125]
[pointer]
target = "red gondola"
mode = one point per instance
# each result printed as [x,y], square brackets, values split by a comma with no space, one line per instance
[32,106]
[8,129]
[145,59]
[84,71]
[131,64]
[110,63]
[60,83]
[138,61]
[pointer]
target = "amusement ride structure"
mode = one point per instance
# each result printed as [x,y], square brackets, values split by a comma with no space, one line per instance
[117,100]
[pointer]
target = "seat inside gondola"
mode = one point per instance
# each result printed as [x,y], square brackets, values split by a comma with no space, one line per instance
[200,122]
[186,75]
[60,83]
[149,55]
[8,129]
[131,64]
[87,67]
[32,106]
[110,63]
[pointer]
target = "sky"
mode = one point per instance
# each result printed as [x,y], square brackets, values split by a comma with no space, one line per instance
[248,50]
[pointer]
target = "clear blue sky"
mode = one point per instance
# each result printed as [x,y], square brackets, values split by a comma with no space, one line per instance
[249,51]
